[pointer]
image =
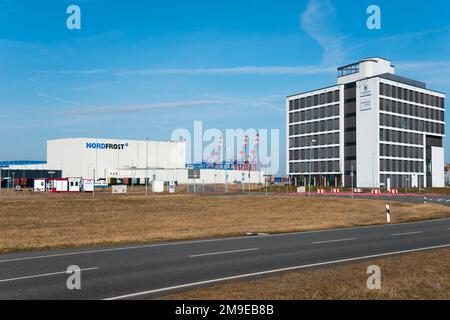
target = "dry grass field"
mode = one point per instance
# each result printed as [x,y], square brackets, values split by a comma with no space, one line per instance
[424,275]
[31,221]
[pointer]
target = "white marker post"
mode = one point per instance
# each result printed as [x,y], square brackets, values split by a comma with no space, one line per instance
[388,214]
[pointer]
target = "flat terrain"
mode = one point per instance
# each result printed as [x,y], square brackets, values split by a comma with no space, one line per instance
[31,221]
[155,270]
[423,275]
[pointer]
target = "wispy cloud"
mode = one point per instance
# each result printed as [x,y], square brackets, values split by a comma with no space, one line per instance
[244,70]
[103,110]
[415,35]
[411,37]
[318,21]
[88,87]
[211,102]
[43,95]
[86,72]
[434,73]
[432,66]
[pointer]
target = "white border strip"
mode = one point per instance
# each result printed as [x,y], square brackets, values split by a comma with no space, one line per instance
[271,271]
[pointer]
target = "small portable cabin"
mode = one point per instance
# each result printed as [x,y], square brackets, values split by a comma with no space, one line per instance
[39,185]
[74,184]
[158,186]
[59,185]
[88,185]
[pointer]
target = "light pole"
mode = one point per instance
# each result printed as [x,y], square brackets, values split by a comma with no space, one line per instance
[265,182]
[351,177]
[93,189]
[146,168]
[13,180]
[289,184]
[310,162]
[406,184]
[226,182]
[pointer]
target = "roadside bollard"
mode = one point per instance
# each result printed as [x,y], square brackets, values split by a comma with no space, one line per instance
[425,200]
[388,214]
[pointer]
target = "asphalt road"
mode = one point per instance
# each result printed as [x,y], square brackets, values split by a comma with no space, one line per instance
[410,198]
[153,270]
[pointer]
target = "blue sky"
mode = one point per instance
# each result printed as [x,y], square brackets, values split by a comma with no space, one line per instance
[146,68]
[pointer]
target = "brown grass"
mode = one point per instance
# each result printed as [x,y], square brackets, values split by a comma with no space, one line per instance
[424,275]
[30,221]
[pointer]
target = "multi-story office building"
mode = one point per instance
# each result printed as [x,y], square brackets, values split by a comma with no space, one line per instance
[372,129]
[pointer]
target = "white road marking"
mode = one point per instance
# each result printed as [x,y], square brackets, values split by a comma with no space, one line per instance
[273,271]
[121,249]
[211,240]
[406,233]
[44,275]
[338,240]
[223,252]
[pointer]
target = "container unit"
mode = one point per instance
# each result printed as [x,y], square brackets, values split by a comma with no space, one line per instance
[59,185]
[88,185]
[40,185]
[158,186]
[74,184]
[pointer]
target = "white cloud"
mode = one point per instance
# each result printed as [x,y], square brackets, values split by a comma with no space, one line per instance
[87,87]
[102,110]
[434,66]
[214,102]
[244,70]
[43,95]
[318,21]
[86,72]
[434,73]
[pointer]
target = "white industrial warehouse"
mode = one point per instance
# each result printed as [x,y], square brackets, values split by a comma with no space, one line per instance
[112,159]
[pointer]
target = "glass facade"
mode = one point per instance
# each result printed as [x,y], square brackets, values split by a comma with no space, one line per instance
[407,117]
[313,133]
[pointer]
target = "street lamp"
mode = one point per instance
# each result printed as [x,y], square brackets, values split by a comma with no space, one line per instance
[406,184]
[226,182]
[352,175]
[146,168]
[310,162]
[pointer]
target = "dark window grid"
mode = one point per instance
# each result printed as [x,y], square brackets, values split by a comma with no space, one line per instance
[433,116]
[412,109]
[408,123]
[319,119]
